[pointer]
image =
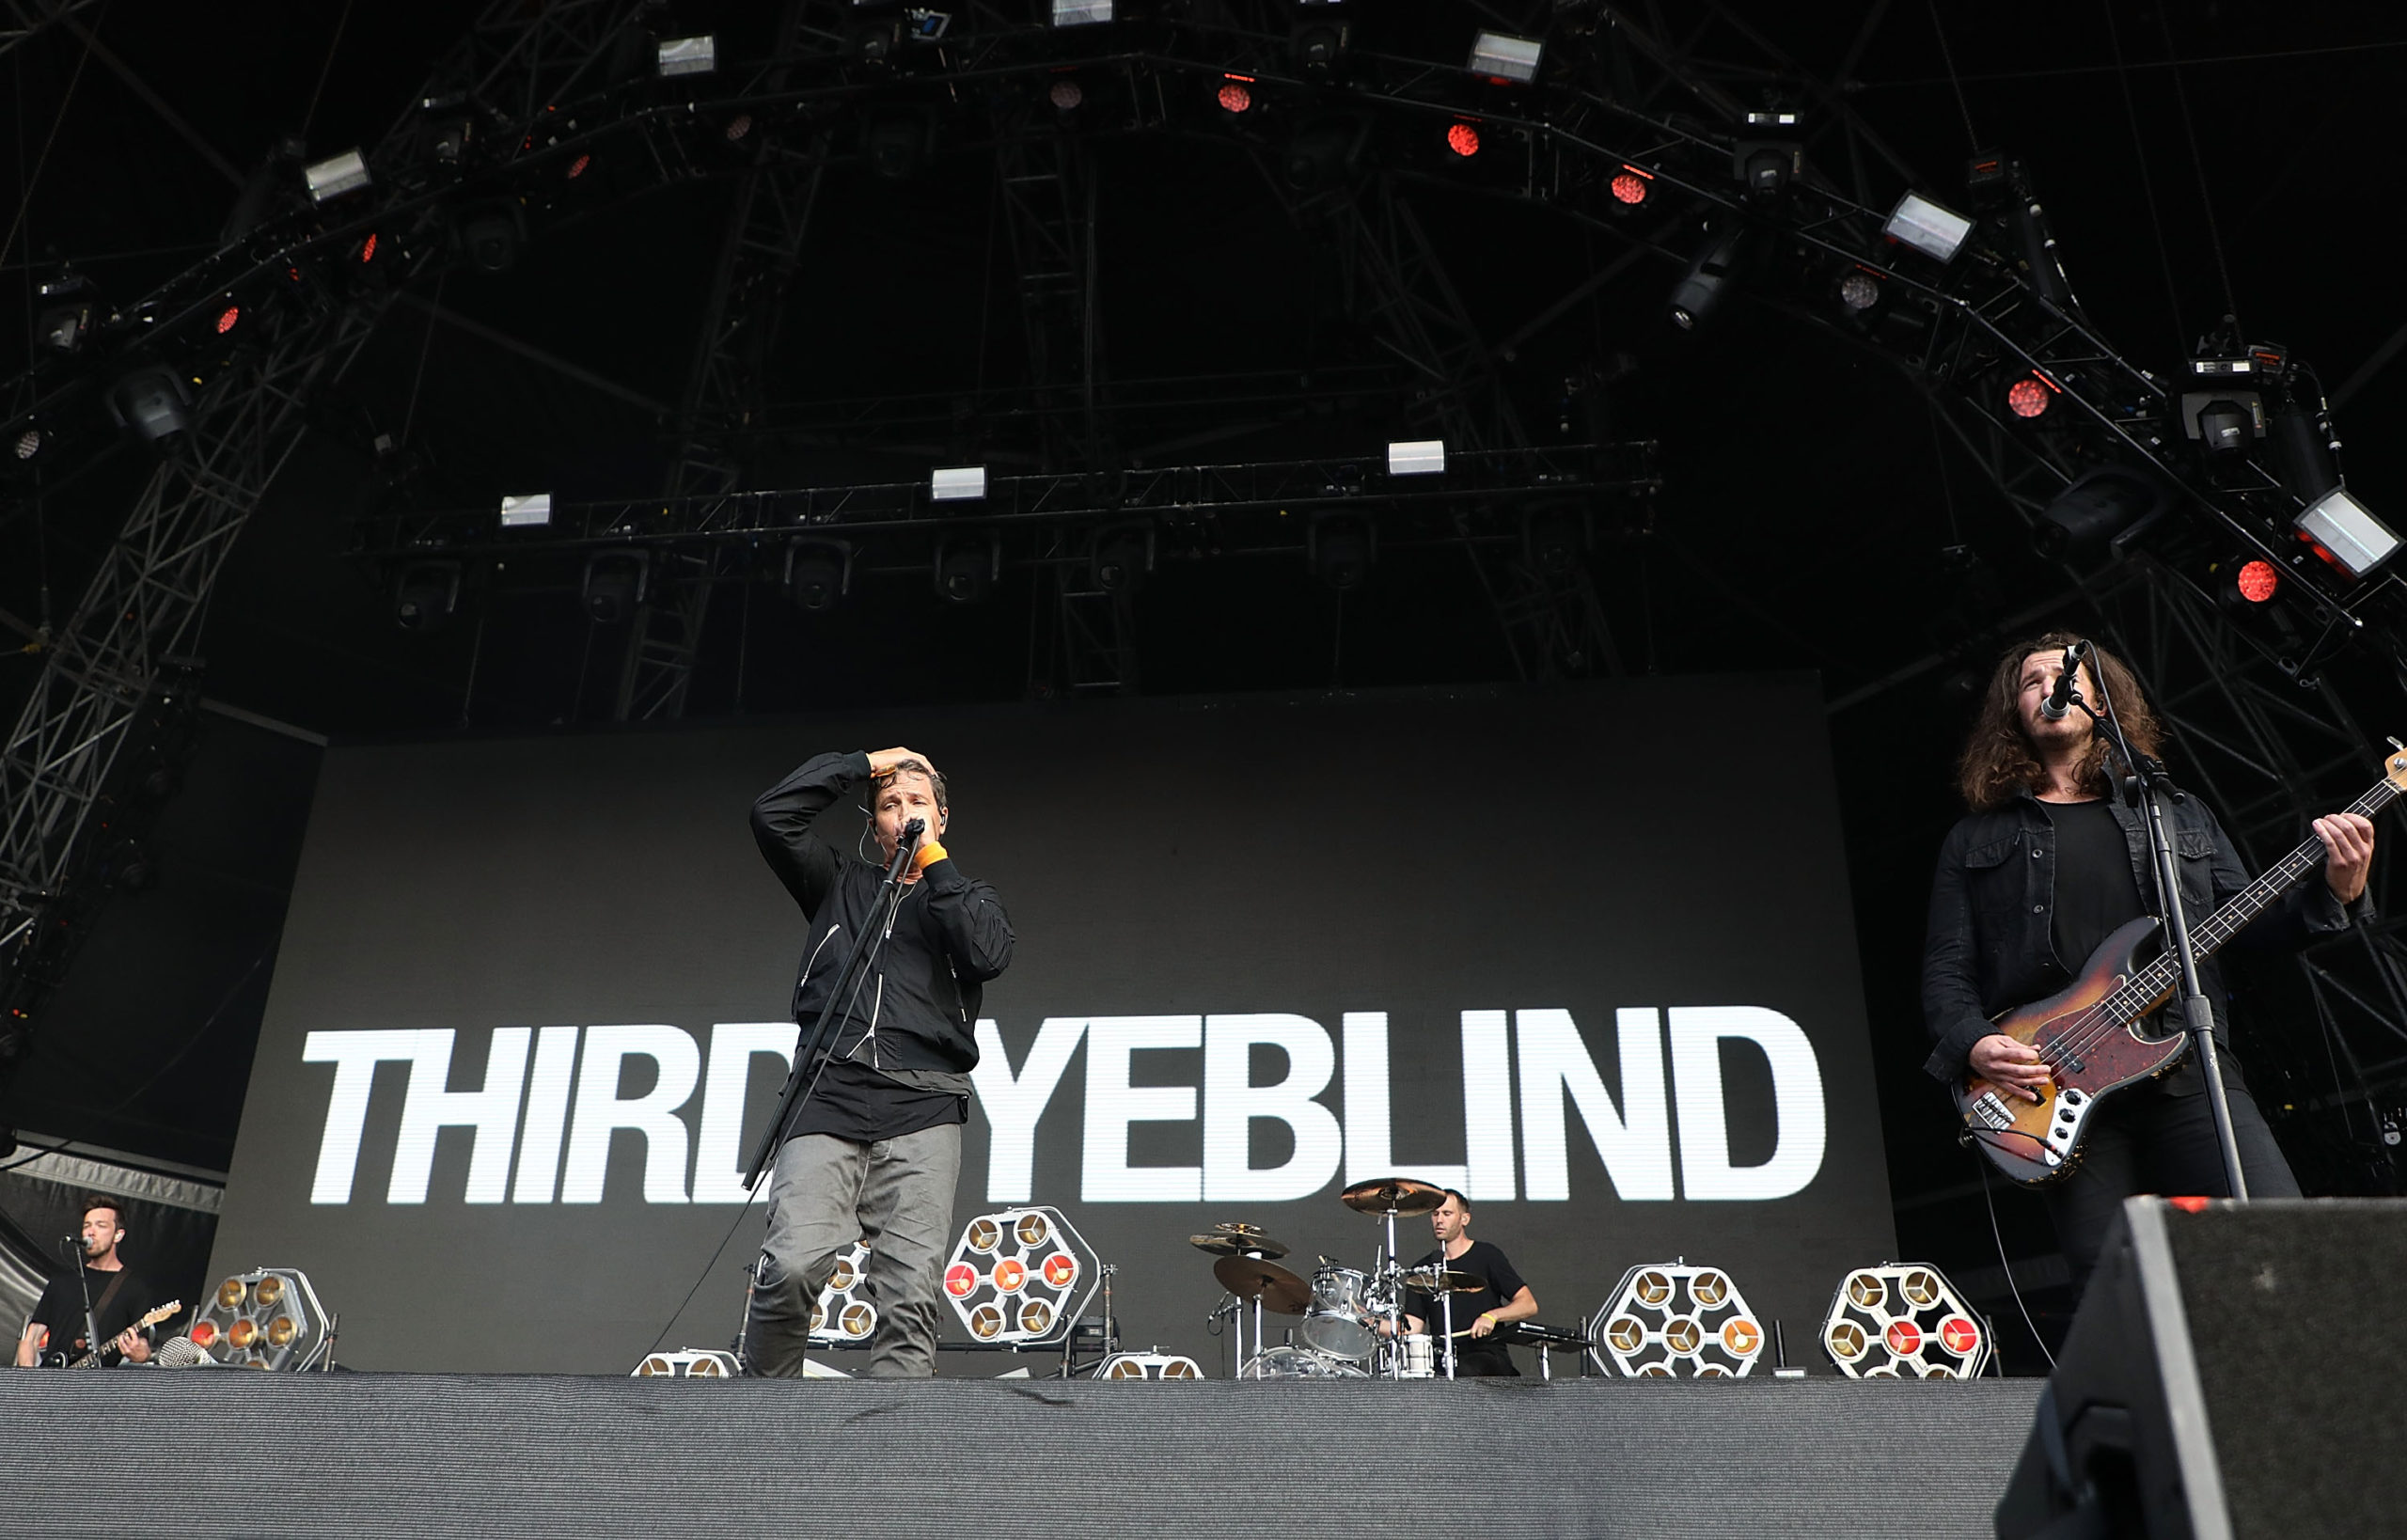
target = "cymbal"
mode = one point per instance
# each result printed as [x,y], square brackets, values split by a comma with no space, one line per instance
[1282,1292]
[1403,1194]
[1444,1281]
[1238,1245]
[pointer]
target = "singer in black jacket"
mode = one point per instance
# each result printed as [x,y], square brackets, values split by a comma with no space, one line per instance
[873,1153]
[2047,865]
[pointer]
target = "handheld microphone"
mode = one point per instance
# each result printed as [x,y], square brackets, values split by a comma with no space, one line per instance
[2060,699]
[912,830]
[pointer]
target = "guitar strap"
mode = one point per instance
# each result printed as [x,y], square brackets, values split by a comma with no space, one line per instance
[101,1306]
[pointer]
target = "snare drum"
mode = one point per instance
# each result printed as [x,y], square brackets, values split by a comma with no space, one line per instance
[1340,1321]
[1420,1356]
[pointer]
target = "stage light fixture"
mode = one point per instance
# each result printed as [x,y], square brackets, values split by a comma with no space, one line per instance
[688,1364]
[2029,397]
[229,318]
[2224,422]
[153,400]
[1341,548]
[426,594]
[70,305]
[1903,1321]
[967,566]
[1932,228]
[960,483]
[1021,1275]
[1700,290]
[267,1318]
[2095,508]
[1500,56]
[738,128]
[531,511]
[1318,44]
[1859,291]
[490,236]
[1081,12]
[335,175]
[29,443]
[1235,96]
[1416,457]
[1631,186]
[1322,152]
[1156,1364]
[1764,167]
[688,56]
[2346,534]
[926,26]
[1668,1320]
[897,144]
[1066,95]
[1123,555]
[367,249]
[1463,139]
[819,573]
[615,583]
[576,167]
[2256,581]
[843,1313]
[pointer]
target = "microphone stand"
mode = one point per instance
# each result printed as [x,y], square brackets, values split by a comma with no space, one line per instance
[838,1009]
[91,1321]
[2146,784]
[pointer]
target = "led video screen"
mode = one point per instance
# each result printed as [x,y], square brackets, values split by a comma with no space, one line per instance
[1583,953]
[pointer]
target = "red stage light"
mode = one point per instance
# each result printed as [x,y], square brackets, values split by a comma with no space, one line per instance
[2258,581]
[576,167]
[1631,189]
[1463,139]
[1234,97]
[226,318]
[2026,398]
[368,248]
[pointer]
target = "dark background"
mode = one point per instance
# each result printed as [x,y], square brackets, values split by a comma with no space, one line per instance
[1421,853]
[1806,522]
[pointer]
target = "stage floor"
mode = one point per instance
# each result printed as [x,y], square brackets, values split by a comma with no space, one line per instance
[207,1454]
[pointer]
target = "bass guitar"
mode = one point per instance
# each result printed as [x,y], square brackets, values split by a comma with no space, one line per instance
[2091,1034]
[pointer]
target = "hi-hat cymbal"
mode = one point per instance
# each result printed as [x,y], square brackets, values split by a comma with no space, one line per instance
[1444,1281]
[1402,1194]
[1282,1292]
[1256,1244]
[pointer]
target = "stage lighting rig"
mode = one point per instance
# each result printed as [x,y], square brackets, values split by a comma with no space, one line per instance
[1081,12]
[1320,41]
[843,1313]
[267,1318]
[1932,228]
[1416,457]
[71,307]
[615,583]
[489,236]
[1701,288]
[959,483]
[1124,555]
[1021,1276]
[819,573]
[1463,139]
[2029,394]
[335,175]
[154,400]
[688,56]
[2346,534]
[426,594]
[2101,507]
[1668,1320]
[967,566]
[531,511]
[1153,1365]
[1764,167]
[1341,548]
[1630,188]
[1506,59]
[1235,95]
[1903,1321]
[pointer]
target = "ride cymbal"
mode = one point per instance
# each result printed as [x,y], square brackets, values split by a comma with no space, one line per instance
[1282,1292]
[1401,1194]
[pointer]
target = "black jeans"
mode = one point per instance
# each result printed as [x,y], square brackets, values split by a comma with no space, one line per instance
[2149,1139]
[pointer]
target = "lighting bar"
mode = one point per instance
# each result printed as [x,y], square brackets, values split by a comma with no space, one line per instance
[534,511]
[2352,537]
[1934,229]
[1500,55]
[688,56]
[964,483]
[336,176]
[1421,456]
[1081,12]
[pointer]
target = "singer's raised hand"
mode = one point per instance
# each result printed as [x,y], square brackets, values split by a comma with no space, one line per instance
[885,759]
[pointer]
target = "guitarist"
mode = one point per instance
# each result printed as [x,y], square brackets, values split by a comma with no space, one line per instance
[118,1294]
[2048,864]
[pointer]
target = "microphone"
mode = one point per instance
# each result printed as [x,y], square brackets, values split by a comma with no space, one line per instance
[2060,699]
[912,830]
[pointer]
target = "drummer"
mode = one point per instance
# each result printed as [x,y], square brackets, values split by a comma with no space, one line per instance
[1500,1298]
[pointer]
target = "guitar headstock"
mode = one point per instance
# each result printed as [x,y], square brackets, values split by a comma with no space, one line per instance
[164,1312]
[2393,768]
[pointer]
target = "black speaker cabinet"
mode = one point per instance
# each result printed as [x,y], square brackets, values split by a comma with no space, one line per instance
[2235,1369]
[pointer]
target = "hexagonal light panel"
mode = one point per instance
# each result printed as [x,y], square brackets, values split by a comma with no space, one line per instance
[267,1318]
[1667,1320]
[687,1363]
[1903,1320]
[844,1312]
[1021,1275]
[1153,1365]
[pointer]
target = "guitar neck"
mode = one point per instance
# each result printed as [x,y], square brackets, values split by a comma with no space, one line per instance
[2210,936]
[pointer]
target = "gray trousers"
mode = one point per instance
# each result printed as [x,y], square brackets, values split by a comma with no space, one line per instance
[826,1193]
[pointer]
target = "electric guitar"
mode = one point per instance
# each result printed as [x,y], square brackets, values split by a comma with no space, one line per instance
[92,1359]
[2091,1035]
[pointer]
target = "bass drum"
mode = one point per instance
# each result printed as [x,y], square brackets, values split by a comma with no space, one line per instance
[1300,1363]
[1340,1321]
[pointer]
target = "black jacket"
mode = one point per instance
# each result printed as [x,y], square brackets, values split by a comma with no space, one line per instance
[950,935]
[1991,945]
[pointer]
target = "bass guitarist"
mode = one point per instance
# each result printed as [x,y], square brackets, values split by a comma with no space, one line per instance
[2049,863]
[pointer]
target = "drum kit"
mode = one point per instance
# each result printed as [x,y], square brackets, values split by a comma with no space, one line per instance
[1353,1321]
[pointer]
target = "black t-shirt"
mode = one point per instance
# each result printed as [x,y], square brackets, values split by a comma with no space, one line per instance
[61,1308]
[2095,894]
[857,1103]
[1474,1356]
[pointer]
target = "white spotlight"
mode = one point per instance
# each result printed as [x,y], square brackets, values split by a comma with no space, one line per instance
[532,511]
[335,175]
[1081,12]
[2352,537]
[962,483]
[1931,228]
[1500,55]
[688,56]
[1419,457]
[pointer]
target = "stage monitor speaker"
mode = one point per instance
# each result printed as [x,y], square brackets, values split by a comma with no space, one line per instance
[2235,1370]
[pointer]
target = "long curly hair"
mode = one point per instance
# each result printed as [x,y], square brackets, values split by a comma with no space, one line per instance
[1999,763]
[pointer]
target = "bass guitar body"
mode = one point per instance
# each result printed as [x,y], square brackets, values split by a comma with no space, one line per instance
[2095,1043]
